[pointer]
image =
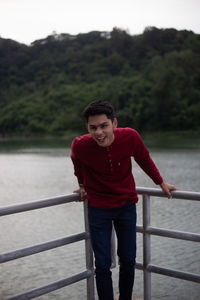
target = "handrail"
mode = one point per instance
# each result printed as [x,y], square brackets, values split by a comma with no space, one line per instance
[181,195]
[22,207]
[88,274]
[147,230]
[54,286]
[181,235]
[5,257]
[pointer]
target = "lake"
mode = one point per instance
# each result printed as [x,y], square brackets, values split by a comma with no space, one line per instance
[32,173]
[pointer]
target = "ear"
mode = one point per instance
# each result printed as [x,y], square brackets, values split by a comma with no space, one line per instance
[115,122]
[86,125]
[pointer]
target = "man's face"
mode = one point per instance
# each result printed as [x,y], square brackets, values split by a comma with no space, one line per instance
[101,129]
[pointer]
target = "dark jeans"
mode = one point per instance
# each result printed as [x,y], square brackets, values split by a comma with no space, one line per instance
[100,222]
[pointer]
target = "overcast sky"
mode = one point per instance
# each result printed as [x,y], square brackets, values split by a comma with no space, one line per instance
[28,20]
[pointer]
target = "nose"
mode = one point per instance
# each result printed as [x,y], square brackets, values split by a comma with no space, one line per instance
[99,131]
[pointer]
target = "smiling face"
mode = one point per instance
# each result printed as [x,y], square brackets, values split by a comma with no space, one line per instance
[101,129]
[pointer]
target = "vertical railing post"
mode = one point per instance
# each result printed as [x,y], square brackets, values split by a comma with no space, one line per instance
[88,256]
[146,247]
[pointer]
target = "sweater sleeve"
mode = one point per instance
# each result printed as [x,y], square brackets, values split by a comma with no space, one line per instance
[143,159]
[78,167]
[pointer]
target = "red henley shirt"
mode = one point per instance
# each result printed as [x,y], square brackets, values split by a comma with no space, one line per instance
[106,172]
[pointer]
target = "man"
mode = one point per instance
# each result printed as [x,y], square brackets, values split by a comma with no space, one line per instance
[102,164]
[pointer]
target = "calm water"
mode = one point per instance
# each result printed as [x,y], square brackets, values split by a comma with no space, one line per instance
[29,174]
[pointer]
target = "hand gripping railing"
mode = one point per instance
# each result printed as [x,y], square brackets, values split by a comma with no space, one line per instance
[87,274]
[147,230]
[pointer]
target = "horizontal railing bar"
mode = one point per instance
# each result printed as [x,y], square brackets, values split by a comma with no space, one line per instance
[181,235]
[52,286]
[4,257]
[174,273]
[170,272]
[139,266]
[182,195]
[12,209]
[139,229]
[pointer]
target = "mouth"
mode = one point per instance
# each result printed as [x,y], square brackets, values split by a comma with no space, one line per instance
[101,140]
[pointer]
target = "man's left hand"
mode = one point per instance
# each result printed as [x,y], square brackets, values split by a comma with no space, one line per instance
[167,188]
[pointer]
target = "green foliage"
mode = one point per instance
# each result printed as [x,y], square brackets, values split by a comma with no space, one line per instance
[152,80]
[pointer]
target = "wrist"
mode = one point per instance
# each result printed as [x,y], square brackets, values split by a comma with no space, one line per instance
[81,185]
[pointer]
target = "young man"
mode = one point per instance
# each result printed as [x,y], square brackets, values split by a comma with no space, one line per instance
[102,164]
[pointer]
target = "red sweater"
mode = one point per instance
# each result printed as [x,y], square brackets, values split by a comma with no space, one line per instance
[106,172]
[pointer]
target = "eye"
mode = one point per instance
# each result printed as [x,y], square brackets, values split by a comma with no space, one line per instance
[92,128]
[104,125]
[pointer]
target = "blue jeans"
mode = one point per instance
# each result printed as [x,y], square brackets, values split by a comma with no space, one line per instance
[100,223]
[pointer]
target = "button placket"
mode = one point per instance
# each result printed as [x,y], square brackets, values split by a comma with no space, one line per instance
[109,159]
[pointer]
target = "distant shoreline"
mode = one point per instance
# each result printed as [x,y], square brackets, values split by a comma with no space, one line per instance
[69,135]
[165,140]
[37,137]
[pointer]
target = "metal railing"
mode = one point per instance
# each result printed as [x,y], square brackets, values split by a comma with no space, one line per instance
[147,230]
[88,274]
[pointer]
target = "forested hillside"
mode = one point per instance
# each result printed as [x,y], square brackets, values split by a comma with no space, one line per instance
[152,80]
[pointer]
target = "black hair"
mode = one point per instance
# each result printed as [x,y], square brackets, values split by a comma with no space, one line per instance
[99,107]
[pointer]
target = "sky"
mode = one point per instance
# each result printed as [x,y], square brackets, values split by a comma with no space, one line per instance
[28,20]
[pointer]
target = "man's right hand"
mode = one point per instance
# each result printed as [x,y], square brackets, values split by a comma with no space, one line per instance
[82,193]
